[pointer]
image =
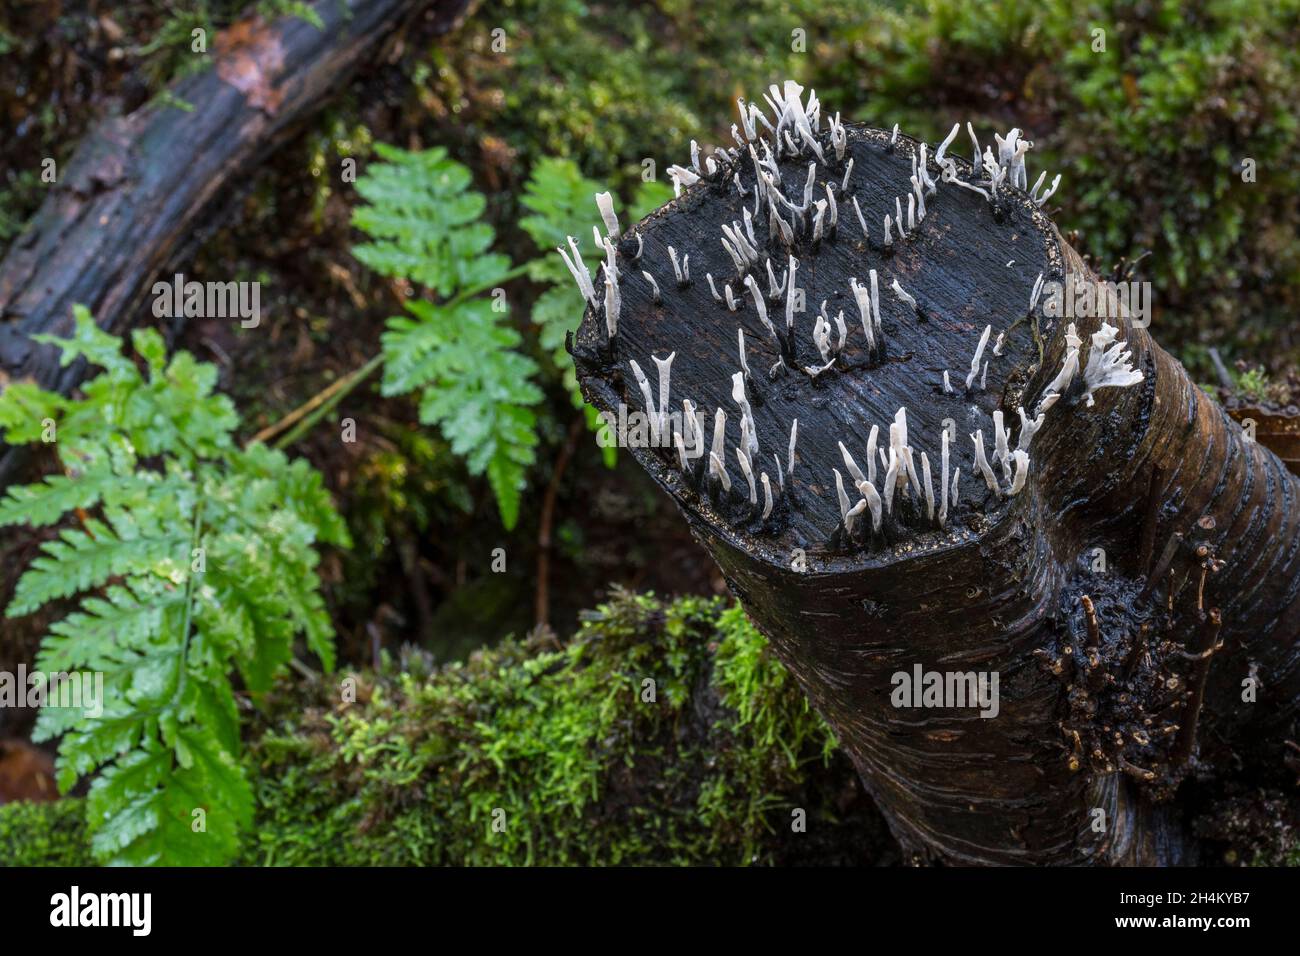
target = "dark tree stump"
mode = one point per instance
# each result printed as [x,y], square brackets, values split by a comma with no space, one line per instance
[1099,694]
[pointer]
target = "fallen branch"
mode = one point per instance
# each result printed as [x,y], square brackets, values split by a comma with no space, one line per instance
[131,198]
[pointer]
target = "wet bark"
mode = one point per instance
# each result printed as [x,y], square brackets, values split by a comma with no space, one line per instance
[1149,566]
[142,188]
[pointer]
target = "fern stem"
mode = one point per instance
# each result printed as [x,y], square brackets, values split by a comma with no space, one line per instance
[306,415]
[195,535]
[310,412]
[472,291]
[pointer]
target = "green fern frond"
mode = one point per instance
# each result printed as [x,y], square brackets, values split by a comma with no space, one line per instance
[459,355]
[46,502]
[27,411]
[473,385]
[90,342]
[172,411]
[422,220]
[82,559]
[194,559]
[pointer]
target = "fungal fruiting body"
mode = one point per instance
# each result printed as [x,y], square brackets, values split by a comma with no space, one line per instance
[605,203]
[1109,365]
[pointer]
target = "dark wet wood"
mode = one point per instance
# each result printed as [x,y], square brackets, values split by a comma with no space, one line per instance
[142,189]
[1085,729]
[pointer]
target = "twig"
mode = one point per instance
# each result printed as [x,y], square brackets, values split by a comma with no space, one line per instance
[542,605]
[1134,770]
[1186,739]
[1135,652]
[311,411]
[302,669]
[1166,559]
[352,381]
[1225,377]
[1094,632]
[347,383]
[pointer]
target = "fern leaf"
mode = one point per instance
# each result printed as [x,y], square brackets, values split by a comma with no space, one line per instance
[474,386]
[421,217]
[45,503]
[165,625]
[297,485]
[145,810]
[93,636]
[27,411]
[507,479]
[90,342]
[84,559]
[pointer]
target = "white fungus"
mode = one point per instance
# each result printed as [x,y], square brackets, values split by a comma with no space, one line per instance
[718,468]
[898,291]
[862,220]
[578,269]
[665,373]
[979,353]
[794,431]
[605,203]
[1109,363]
[748,471]
[1022,472]
[648,397]
[851,465]
[654,286]
[982,464]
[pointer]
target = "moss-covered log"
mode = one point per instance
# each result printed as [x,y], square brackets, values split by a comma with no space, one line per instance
[558,736]
[1119,578]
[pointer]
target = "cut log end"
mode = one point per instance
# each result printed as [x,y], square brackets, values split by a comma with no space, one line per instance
[968,266]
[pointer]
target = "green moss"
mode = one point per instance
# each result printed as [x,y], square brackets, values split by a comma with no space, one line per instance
[537,754]
[585,770]
[567,748]
[611,85]
[44,834]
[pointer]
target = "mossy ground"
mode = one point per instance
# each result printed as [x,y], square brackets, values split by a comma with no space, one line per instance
[556,743]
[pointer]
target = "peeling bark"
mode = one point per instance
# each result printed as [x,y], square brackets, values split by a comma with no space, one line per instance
[1103,674]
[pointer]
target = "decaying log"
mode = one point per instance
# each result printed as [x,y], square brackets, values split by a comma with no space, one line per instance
[1121,590]
[139,186]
